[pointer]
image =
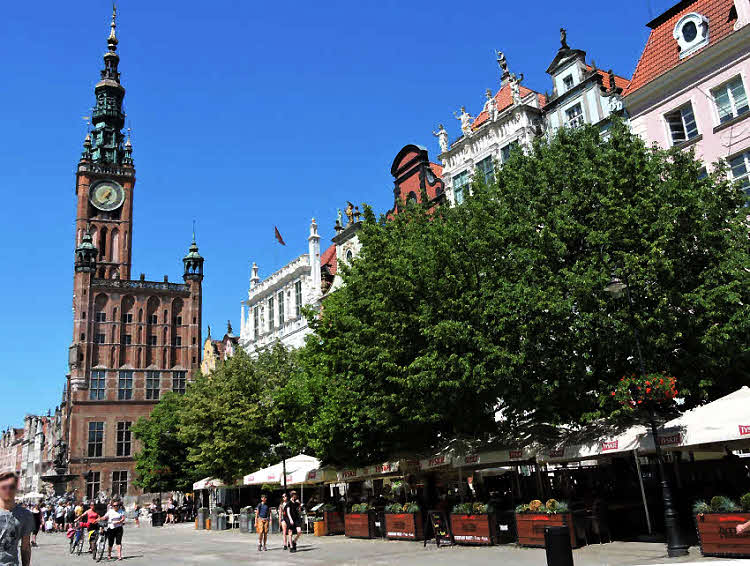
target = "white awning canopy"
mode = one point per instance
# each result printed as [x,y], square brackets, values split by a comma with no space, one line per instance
[725,420]
[297,469]
[208,483]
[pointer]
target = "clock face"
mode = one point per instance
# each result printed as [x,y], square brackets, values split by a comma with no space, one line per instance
[106,195]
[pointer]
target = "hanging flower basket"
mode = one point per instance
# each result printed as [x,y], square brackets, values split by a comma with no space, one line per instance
[650,392]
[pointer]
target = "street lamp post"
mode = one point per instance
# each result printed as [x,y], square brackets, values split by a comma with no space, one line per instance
[675,541]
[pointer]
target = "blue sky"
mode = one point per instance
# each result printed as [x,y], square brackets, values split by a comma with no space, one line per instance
[245,115]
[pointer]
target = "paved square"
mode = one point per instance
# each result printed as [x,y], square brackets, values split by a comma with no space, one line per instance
[183,545]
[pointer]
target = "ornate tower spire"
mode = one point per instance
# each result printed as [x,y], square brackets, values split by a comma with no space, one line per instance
[108,118]
[193,263]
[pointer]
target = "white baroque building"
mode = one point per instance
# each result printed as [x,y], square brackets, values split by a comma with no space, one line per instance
[515,115]
[581,93]
[273,309]
[510,119]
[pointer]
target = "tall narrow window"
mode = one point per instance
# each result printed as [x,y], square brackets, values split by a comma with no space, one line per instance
[127,317]
[96,439]
[460,185]
[731,99]
[740,167]
[120,483]
[153,384]
[97,385]
[125,385]
[271,312]
[123,438]
[100,316]
[93,485]
[574,116]
[256,321]
[152,340]
[178,381]
[99,338]
[281,308]
[486,170]
[507,150]
[568,82]
[297,298]
[153,319]
[682,126]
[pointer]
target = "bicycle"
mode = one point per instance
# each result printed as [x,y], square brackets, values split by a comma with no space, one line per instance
[76,541]
[100,545]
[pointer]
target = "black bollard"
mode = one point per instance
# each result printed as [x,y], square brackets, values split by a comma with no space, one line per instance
[557,544]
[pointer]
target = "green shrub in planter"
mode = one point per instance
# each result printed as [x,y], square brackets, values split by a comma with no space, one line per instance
[328,508]
[721,504]
[745,502]
[394,508]
[361,508]
[413,507]
[472,509]
[701,507]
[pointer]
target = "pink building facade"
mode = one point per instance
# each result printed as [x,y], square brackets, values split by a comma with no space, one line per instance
[690,87]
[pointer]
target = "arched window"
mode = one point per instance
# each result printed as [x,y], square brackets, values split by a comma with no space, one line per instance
[411,198]
[103,244]
[116,245]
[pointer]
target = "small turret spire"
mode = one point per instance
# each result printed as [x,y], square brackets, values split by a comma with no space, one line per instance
[112,39]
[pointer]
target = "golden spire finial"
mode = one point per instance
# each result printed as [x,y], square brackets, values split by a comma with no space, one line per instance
[112,39]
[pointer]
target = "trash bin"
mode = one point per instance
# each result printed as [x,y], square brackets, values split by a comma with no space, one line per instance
[245,519]
[221,522]
[200,522]
[275,522]
[157,518]
[557,544]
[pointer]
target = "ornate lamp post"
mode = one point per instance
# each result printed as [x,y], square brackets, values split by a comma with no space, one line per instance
[675,541]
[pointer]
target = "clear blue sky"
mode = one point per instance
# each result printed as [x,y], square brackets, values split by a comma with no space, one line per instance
[245,115]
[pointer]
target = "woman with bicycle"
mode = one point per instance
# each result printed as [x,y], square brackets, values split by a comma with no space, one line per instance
[115,518]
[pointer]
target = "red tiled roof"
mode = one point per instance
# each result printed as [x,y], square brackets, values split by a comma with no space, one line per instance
[620,82]
[662,54]
[329,258]
[503,100]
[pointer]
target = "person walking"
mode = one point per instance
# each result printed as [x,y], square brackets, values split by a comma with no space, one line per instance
[282,517]
[16,524]
[262,521]
[37,514]
[115,518]
[293,528]
[137,513]
[60,517]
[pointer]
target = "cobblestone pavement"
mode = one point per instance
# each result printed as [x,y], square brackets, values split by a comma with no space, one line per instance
[182,545]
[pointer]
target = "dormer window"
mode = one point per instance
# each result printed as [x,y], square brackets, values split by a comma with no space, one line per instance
[568,82]
[691,33]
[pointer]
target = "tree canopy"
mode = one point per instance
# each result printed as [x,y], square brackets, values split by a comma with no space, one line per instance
[450,315]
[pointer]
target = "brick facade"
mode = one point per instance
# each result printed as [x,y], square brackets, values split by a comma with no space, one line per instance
[133,340]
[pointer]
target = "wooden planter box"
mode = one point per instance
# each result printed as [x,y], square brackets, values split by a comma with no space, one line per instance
[334,522]
[319,528]
[473,529]
[718,535]
[404,526]
[360,525]
[530,527]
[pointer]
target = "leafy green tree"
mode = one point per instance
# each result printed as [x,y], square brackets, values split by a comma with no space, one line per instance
[228,420]
[448,316]
[161,462]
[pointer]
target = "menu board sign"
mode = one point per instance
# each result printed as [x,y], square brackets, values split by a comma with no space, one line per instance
[441,528]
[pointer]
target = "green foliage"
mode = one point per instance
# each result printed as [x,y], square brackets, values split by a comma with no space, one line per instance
[472,508]
[412,507]
[361,508]
[394,508]
[161,462]
[551,507]
[229,421]
[722,504]
[745,502]
[500,302]
[701,507]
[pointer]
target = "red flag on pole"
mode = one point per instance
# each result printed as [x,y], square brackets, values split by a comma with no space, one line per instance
[278,236]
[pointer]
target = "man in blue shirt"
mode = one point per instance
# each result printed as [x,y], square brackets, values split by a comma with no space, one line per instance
[262,520]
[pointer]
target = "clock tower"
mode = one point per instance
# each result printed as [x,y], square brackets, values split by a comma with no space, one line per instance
[105,179]
[133,339]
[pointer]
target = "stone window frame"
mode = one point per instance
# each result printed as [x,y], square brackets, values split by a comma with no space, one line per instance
[688,47]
